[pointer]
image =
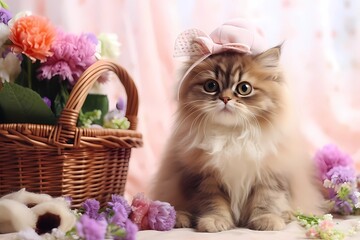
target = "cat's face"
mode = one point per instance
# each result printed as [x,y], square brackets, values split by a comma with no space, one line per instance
[234,90]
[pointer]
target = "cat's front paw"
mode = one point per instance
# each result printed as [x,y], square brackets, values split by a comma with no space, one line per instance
[267,222]
[183,219]
[214,223]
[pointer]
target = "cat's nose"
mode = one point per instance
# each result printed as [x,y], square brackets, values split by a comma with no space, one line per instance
[225,99]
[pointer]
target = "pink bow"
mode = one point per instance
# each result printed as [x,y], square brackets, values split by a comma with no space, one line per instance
[236,35]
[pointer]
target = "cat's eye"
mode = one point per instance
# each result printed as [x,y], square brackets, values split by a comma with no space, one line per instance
[211,86]
[244,88]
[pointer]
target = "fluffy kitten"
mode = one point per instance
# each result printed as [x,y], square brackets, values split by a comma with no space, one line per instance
[235,158]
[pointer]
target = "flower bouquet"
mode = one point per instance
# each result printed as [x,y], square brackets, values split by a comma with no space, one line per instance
[51,130]
[39,66]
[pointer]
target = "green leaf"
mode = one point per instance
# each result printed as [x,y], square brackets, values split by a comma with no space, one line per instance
[23,105]
[96,101]
[3,4]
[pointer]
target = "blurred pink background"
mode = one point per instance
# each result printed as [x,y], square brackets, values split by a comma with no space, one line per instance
[321,58]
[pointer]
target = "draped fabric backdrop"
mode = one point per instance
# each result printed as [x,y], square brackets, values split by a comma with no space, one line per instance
[321,58]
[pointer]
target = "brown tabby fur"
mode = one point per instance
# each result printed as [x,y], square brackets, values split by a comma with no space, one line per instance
[236,160]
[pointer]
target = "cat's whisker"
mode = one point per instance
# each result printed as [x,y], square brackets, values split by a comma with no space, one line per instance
[203,125]
[267,120]
[200,116]
[257,130]
[193,110]
[245,121]
[255,115]
[268,112]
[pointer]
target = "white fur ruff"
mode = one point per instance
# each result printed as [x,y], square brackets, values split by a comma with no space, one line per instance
[238,160]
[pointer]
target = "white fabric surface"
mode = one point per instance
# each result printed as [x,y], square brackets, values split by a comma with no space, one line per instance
[292,231]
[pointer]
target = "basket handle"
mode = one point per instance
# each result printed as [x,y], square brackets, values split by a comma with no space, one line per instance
[66,125]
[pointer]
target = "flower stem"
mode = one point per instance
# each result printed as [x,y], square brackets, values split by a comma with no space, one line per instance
[29,72]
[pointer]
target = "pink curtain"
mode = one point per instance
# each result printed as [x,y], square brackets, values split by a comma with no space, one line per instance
[321,57]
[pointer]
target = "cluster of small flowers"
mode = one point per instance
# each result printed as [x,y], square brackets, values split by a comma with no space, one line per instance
[118,221]
[336,170]
[113,222]
[324,227]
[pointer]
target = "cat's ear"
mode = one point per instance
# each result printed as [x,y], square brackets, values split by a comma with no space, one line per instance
[270,58]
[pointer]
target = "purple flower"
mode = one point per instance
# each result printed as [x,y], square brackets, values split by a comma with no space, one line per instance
[92,38]
[5,16]
[329,157]
[343,207]
[119,214]
[161,216]
[91,229]
[119,199]
[354,199]
[120,105]
[6,51]
[47,101]
[340,174]
[72,56]
[131,230]
[92,207]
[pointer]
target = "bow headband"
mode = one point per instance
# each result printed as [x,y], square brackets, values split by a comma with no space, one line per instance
[236,35]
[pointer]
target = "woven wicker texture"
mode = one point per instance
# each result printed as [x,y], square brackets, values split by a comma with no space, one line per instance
[65,160]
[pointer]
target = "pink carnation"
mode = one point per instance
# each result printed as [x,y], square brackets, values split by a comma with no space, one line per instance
[73,54]
[329,157]
[140,207]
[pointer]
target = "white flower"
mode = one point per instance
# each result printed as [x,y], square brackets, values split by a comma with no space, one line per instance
[351,232]
[28,234]
[328,217]
[55,234]
[109,45]
[4,33]
[58,208]
[357,226]
[9,68]
[17,16]
[328,184]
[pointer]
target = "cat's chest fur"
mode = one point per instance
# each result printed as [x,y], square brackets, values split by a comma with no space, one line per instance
[237,158]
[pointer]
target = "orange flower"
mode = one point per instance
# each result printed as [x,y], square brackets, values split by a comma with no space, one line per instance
[32,36]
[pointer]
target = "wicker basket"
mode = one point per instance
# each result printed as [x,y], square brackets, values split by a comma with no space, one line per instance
[65,160]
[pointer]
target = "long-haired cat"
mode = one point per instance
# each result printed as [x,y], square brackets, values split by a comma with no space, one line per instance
[235,157]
